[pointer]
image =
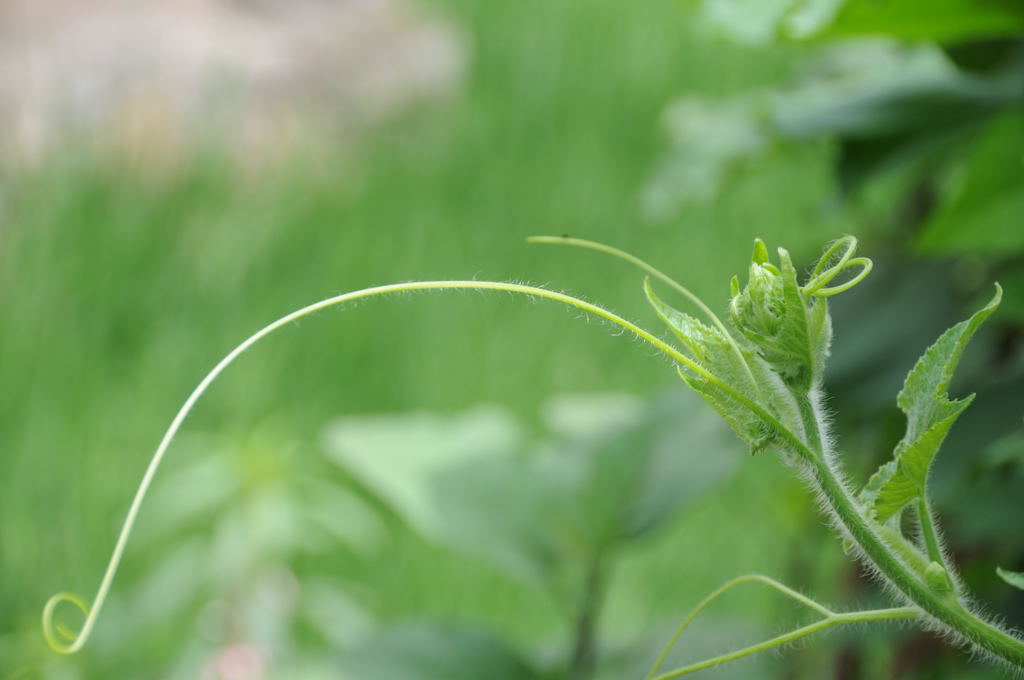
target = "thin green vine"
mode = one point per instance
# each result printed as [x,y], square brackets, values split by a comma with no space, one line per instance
[766,382]
[656,273]
[65,641]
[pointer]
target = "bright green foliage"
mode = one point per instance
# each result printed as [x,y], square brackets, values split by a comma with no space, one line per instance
[1014,578]
[930,414]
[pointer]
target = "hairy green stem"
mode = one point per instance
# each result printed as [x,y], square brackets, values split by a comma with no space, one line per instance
[66,641]
[886,558]
[901,547]
[909,582]
[811,428]
[637,262]
[661,276]
[947,610]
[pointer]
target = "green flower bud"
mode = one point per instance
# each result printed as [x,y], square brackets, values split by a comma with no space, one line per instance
[788,331]
[786,322]
[757,310]
[937,578]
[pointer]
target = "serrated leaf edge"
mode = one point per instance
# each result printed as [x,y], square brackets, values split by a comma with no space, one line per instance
[873,493]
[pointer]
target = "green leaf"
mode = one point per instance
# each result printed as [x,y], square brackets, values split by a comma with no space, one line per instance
[870,89]
[620,477]
[435,652]
[730,363]
[611,468]
[930,413]
[890,105]
[1014,578]
[923,397]
[944,21]
[986,197]
[709,347]
[458,480]
[806,342]
[902,480]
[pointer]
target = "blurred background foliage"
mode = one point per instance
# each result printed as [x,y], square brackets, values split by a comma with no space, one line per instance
[341,505]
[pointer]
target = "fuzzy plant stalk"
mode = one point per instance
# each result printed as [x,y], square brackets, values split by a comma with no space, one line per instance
[763,372]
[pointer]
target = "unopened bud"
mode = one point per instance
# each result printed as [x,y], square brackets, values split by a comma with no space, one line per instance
[937,578]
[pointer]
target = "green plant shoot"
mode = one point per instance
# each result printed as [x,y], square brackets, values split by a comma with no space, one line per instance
[763,373]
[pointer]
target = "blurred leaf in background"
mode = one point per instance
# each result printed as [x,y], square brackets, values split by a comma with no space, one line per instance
[984,211]
[945,21]
[888,106]
[554,511]
[462,481]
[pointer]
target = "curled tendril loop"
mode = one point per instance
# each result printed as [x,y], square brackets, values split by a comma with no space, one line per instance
[865,265]
[836,255]
[837,258]
[61,638]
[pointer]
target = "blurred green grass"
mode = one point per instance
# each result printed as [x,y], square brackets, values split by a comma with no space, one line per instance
[118,292]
